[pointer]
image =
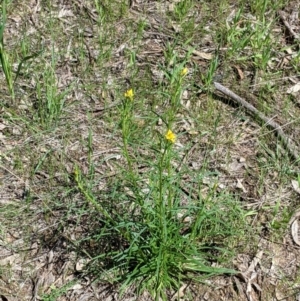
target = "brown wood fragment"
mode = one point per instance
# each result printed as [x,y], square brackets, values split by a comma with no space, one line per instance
[251,109]
[287,25]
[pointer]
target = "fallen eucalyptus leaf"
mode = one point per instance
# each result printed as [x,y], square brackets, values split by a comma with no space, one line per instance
[295,185]
[294,232]
[293,89]
[203,55]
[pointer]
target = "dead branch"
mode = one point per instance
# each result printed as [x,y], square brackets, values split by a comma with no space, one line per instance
[288,26]
[251,109]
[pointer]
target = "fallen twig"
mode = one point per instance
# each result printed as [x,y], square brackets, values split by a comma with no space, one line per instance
[101,109]
[288,26]
[274,125]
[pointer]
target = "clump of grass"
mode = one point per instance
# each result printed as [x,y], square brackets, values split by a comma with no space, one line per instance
[163,231]
[5,61]
[50,99]
[57,292]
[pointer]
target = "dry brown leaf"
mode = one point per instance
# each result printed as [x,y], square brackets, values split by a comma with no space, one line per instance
[203,55]
[10,260]
[239,286]
[249,290]
[65,13]
[295,185]
[239,72]
[180,293]
[294,232]
[293,89]
[242,160]
[77,286]
[233,167]
[80,264]
[177,28]
[240,185]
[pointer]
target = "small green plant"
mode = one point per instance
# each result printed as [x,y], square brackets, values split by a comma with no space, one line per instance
[141,26]
[261,7]
[4,58]
[162,242]
[182,8]
[236,37]
[261,44]
[208,78]
[57,292]
[50,100]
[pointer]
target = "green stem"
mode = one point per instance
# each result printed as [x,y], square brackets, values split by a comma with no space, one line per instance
[126,153]
[126,116]
[88,196]
[170,192]
[161,204]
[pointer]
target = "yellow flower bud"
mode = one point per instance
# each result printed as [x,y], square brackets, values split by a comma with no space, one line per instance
[129,94]
[184,71]
[170,136]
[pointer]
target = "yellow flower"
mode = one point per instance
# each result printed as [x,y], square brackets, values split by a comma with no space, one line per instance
[129,94]
[184,71]
[170,136]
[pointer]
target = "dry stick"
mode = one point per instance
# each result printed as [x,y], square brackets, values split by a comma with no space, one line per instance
[287,25]
[274,125]
[101,109]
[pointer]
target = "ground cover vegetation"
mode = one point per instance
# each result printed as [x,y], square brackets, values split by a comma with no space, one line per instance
[129,168]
